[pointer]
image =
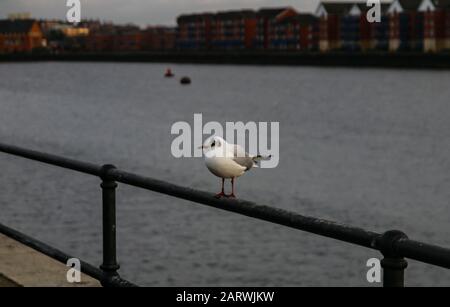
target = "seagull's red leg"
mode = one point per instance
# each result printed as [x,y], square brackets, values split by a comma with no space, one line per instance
[232,189]
[222,193]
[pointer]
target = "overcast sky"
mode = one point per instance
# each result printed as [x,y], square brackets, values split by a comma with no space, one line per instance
[142,12]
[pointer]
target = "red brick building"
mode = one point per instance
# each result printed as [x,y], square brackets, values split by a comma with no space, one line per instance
[233,30]
[357,33]
[269,22]
[298,32]
[378,33]
[102,38]
[330,14]
[436,25]
[308,27]
[158,38]
[406,26]
[128,41]
[278,28]
[194,31]
[100,42]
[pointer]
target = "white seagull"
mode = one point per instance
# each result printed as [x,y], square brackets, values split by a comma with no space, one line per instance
[228,161]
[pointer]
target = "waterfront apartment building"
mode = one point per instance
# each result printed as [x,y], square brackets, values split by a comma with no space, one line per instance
[130,38]
[273,28]
[194,31]
[406,26]
[20,35]
[233,30]
[297,32]
[436,25]
[378,32]
[308,29]
[110,38]
[101,38]
[344,26]
[330,16]
[357,33]
[158,38]
[100,42]
[265,29]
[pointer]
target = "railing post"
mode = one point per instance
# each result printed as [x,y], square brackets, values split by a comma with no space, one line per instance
[109,265]
[393,264]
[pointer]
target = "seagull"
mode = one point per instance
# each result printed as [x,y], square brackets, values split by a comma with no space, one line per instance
[228,161]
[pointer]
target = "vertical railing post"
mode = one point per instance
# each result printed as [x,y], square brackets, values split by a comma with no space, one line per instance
[393,264]
[109,265]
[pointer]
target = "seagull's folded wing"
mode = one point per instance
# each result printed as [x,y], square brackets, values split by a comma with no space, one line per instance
[242,158]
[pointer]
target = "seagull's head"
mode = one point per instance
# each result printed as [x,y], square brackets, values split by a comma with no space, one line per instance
[213,143]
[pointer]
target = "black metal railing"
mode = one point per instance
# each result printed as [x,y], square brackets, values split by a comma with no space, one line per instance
[394,245]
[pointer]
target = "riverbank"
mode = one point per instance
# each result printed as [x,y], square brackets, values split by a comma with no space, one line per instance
[387,60]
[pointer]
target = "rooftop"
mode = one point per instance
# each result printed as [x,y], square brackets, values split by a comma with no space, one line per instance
[410,5]
[441,3]
[338,7]
[272,12]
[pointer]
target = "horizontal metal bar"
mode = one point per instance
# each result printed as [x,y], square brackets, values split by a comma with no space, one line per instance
[423,252]
[278,216]
[408,248]
[82,167]
[60,256]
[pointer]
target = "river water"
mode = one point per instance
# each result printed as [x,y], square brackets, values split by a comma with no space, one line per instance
[366,147]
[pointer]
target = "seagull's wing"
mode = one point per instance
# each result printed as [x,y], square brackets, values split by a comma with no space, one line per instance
[242,158]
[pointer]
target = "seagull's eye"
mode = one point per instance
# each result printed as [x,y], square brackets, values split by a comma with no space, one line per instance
[213,144]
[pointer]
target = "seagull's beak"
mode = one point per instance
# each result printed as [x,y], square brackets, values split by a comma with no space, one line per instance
[202,147]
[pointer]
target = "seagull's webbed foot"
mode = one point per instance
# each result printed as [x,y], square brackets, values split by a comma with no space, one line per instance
[222,192]
[220,195]
[231,195]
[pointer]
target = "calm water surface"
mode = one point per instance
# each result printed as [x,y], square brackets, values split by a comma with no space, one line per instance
[365,147]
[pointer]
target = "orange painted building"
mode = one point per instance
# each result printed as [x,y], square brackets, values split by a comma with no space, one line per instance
[20,36]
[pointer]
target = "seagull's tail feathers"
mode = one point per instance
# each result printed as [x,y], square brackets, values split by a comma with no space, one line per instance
[259,158]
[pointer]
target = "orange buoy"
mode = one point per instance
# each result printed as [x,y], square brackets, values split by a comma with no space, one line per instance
[169,73]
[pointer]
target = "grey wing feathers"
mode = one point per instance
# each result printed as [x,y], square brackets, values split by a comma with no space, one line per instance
[242,158]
